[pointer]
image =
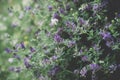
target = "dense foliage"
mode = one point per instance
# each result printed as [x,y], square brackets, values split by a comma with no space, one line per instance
[60,40]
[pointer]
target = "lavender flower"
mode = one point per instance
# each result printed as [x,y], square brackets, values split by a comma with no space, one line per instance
[10,60]
[54,58]
[27,62]
[15,69]
[83,71]
[54,21]
[71,43]
[32,49]
[112,68]
[95,7]
[50,8]
[61,10]
[106,35]
[54,71]
[94,66]
[22,45]
[71,25]
[88,7]
[58,38]
[82,21]
[27,8]
[56,16]
[16,56]
[45,61]
[11,68]
[8,50]
[84,58]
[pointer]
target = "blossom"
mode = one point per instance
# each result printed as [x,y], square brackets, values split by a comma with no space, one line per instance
[88,7]
[95,7]
[50,8]
[70,25]
[112,68]
[10,60]
[94,66]
[45,61]
[32,49]
[56,16]
[54,71]
[11,68]
[84,58]
[82,21]
[57,38]
[27,8]
[54,57]
[15,69]
[83,71]
[16,56]
[61,10]
[22,45]
[8,50]
[54,21]
[106,35]
[71,43]
[27,62]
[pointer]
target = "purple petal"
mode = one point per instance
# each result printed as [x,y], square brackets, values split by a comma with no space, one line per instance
[8,50]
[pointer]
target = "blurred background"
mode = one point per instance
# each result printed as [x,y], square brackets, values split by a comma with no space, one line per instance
[12,32]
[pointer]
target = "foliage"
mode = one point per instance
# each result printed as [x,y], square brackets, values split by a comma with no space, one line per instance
[59,40]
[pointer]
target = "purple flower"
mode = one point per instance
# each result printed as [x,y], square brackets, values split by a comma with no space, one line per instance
[106,36]
[15,69]
[88,7]
[112,68]
[54,58]
[56,16]
[32,49]
[11,68]
[54,71]
[22,45]
[27,8]
[50,8]
[83,71]
[95,7]
[27,62]
[71,25]
[45,61]
[94,66]
[61,10]
[71,43]
[16,56]
[58,38]
[8,50]
[82,21]
[84,58]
